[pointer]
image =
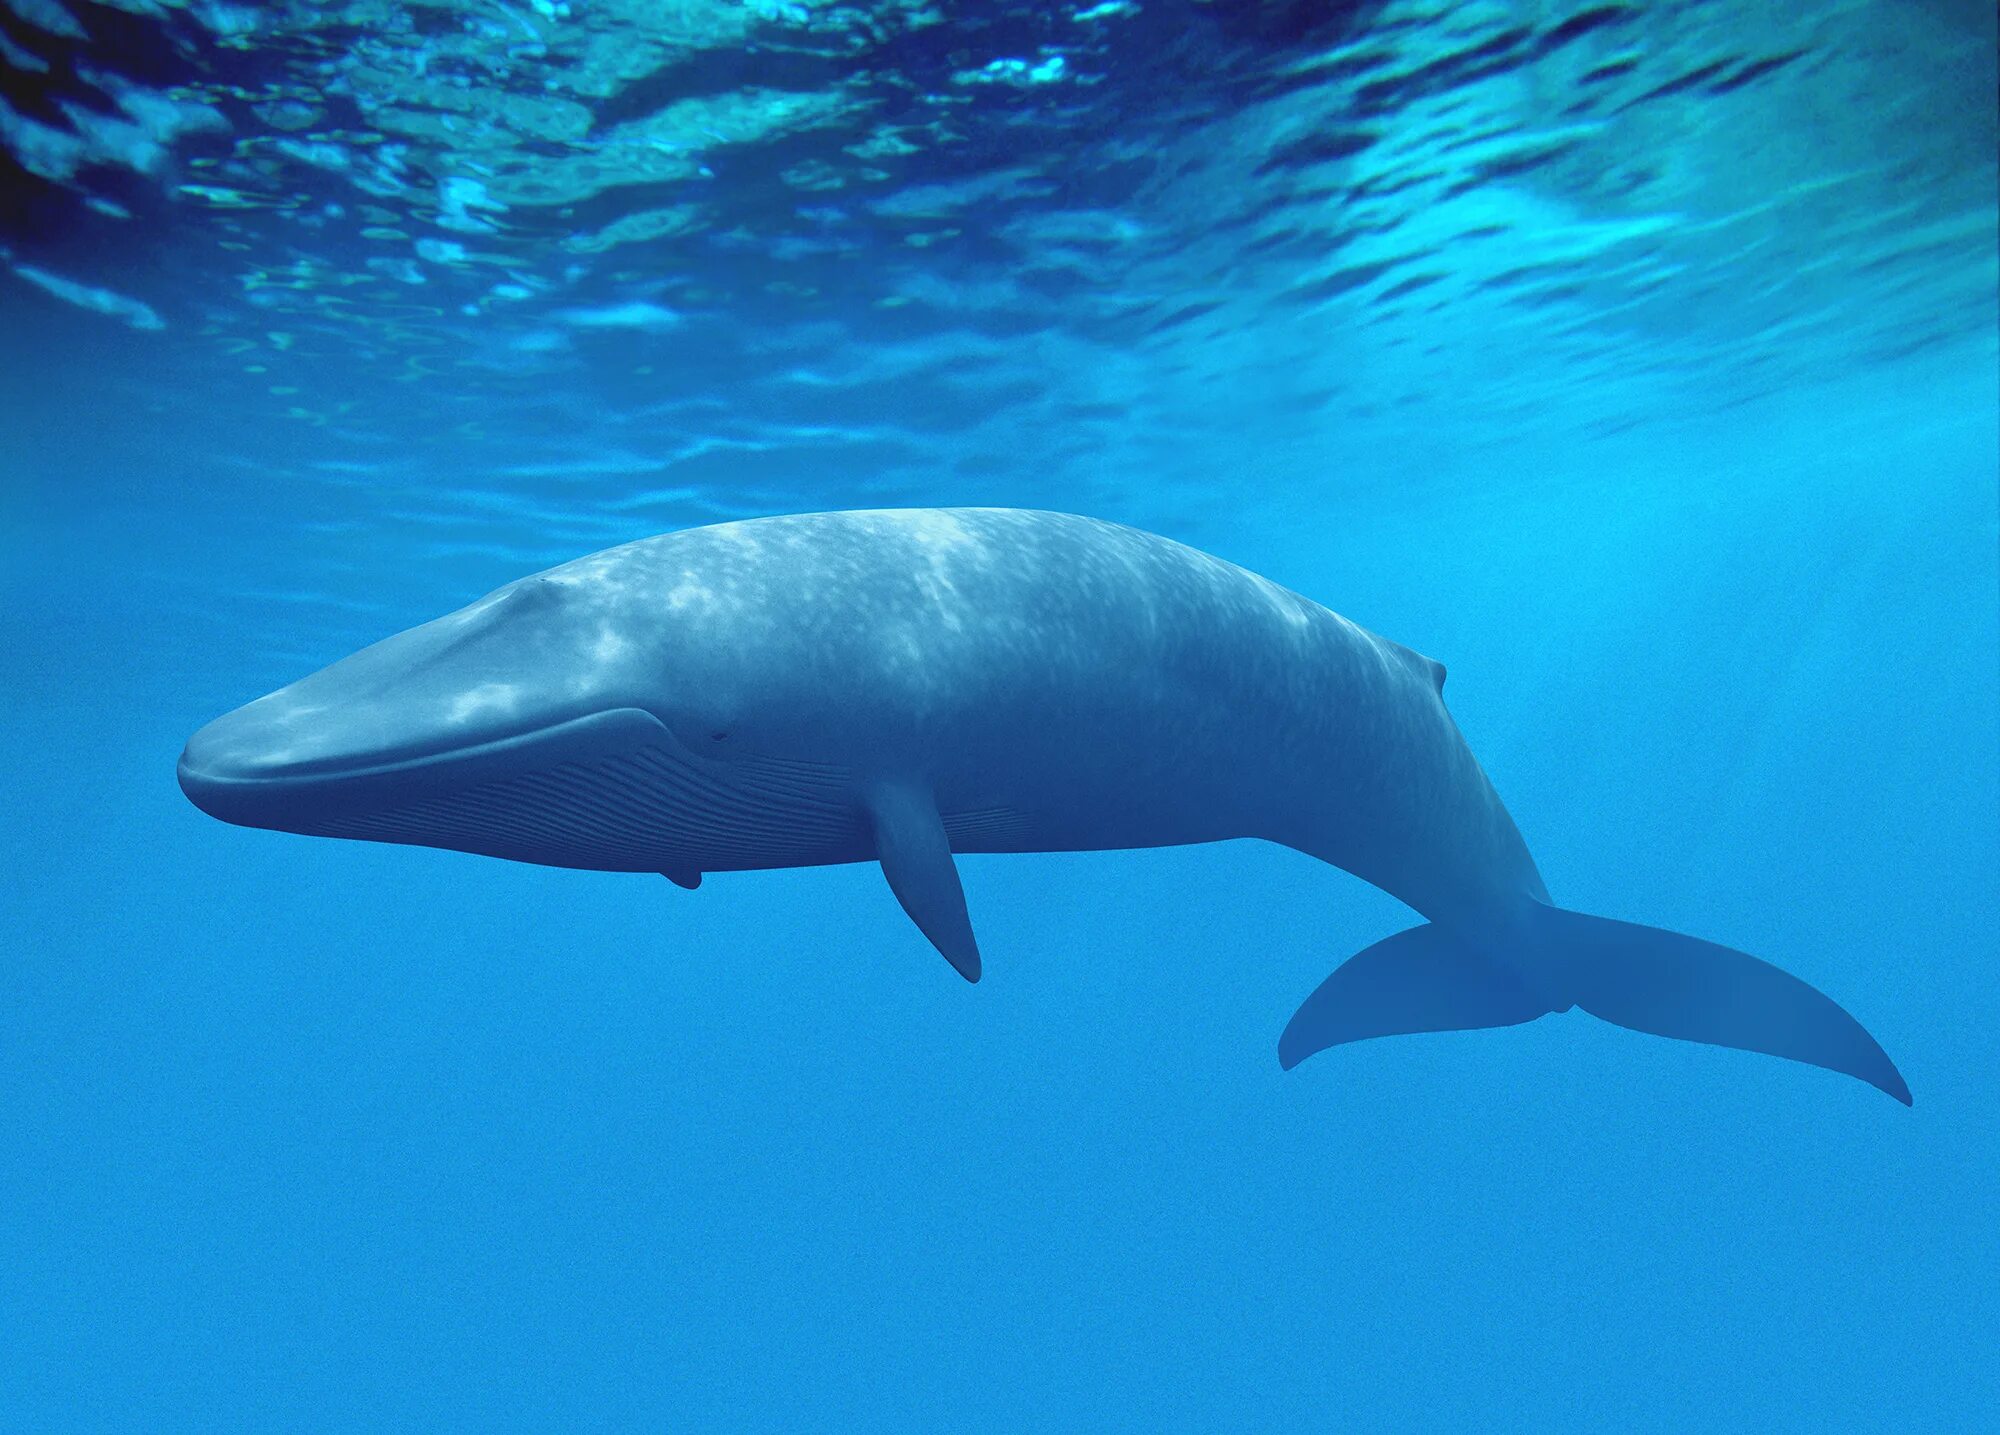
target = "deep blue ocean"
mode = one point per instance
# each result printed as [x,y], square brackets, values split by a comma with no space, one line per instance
[1641,362]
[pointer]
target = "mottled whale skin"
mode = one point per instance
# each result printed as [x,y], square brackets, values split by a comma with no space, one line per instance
[902,685]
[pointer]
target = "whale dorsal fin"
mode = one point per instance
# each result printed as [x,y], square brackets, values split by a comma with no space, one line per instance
[916,858]
[1429,668]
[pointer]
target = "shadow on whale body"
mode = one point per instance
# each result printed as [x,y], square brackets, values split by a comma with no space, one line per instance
[900,686]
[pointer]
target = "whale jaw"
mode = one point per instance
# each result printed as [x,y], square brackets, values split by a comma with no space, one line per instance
[612,791]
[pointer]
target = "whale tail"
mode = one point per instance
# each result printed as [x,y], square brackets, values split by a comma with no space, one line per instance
[1436,978]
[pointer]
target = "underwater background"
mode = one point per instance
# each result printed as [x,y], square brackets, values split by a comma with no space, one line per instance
[1638,361]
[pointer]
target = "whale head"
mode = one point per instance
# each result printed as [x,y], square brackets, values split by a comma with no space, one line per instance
[502,666]
[569,718]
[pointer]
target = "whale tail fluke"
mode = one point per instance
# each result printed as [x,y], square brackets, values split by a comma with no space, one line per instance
[1642,978]
[1420,980]
[1661,982]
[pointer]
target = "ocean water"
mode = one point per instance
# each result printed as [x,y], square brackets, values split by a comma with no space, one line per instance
[1639,361]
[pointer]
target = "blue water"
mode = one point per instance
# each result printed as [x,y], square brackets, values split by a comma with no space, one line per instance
[1637,362]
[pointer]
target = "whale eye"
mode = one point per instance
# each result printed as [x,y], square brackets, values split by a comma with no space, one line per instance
[718,735]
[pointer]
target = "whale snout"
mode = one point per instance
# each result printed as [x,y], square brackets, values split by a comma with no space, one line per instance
[522,726]
[613,790]
[497,670]
[253,768]
[248,744]
[219,790]
[292,762]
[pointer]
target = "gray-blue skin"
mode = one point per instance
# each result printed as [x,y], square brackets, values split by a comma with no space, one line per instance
[900,685]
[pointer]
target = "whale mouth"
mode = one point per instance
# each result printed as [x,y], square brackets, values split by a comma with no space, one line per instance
[613,791]
[306,796]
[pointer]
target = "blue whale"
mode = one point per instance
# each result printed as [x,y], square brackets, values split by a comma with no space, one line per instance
[902,685]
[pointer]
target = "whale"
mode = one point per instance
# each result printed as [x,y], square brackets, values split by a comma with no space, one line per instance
[901,686]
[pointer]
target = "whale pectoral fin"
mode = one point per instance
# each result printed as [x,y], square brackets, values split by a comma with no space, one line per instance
[686,877]
[916,858]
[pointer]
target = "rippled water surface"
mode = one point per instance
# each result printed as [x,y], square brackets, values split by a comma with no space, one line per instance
[1637,360]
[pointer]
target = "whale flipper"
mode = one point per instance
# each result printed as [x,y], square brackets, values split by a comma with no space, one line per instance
[916,858]
[1419,980]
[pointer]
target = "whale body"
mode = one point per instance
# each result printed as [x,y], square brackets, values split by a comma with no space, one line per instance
[902,685]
